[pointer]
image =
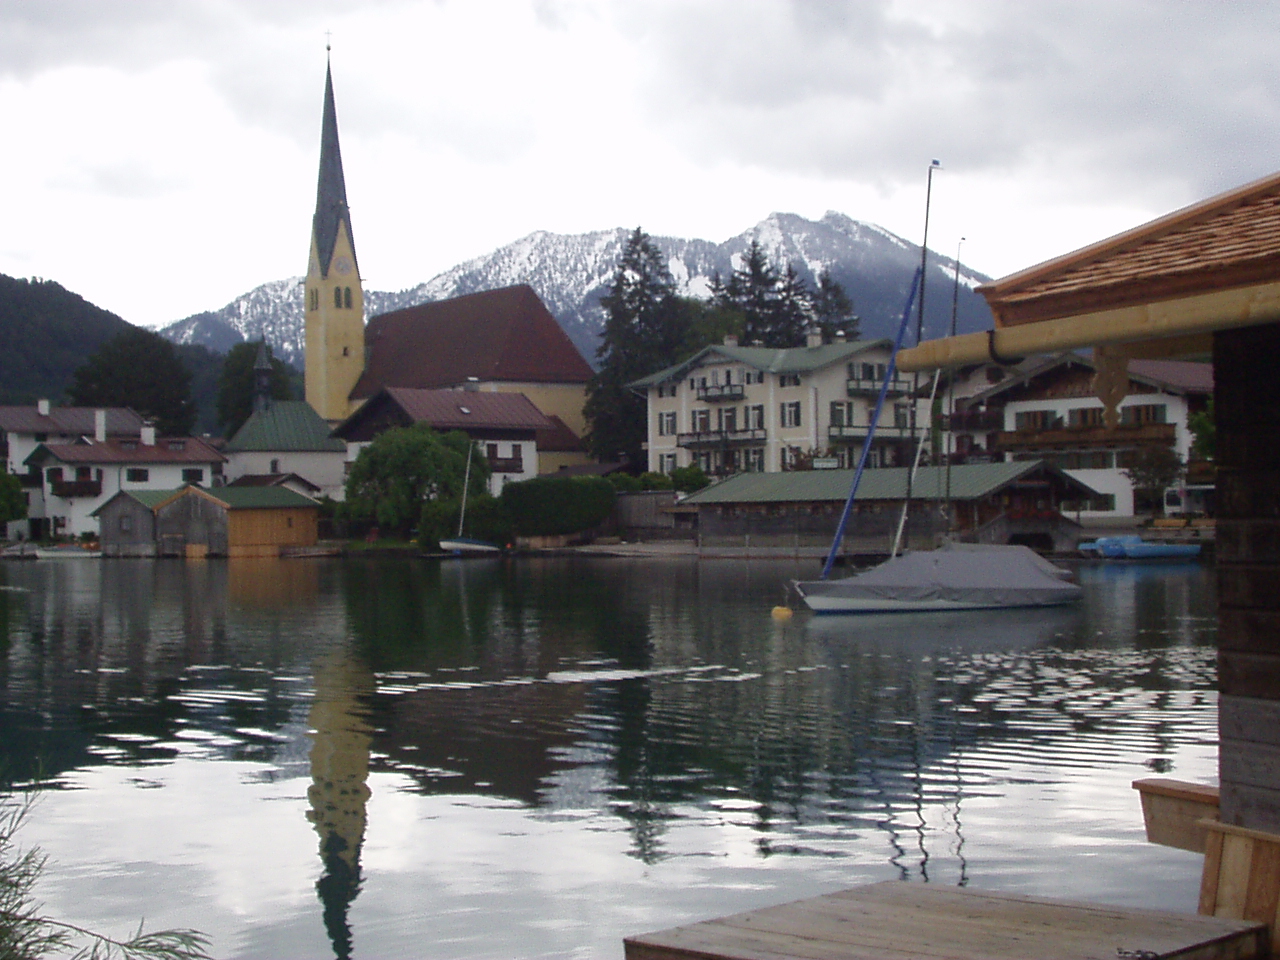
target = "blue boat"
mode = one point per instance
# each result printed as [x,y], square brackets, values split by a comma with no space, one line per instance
[1133,547]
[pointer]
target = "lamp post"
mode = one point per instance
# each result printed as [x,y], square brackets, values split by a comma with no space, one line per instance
[915,377]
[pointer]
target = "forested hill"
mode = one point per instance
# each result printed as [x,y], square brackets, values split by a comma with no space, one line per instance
[47,332]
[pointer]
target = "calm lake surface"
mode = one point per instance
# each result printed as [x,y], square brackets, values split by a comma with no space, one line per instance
[537,757]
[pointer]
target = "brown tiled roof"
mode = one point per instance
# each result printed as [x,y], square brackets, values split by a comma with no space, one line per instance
[1230,240]
[271,480]
[463,409]
[118,451]
[498,335]
[69,421]
[1179,374]
[558,438]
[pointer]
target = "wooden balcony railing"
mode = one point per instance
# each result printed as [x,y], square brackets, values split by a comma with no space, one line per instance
[1125,434]
[728,391]
[76,488]
[721,438]
[858,386]
[506,464]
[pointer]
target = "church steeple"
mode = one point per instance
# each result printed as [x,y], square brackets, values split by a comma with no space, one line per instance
[334,297]
[331,192]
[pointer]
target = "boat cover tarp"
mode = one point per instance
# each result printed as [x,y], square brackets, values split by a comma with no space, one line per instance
[971,574]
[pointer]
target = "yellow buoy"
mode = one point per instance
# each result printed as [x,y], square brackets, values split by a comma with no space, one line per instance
[782,613]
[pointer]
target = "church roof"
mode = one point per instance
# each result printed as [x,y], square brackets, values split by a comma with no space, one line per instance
[288,426]
[331,192]
[504,335]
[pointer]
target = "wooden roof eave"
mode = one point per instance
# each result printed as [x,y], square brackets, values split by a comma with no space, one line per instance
[1163,329]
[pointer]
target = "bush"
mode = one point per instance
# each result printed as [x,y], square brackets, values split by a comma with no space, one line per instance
[655,481]
[624,482]
[547,506]
[689,479]
[486,520]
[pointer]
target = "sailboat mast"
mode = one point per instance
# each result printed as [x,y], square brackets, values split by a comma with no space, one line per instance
[466,480]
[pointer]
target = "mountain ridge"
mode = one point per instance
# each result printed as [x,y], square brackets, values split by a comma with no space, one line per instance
[570,272]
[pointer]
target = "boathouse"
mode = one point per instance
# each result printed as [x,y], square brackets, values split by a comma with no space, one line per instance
[796,513]
[1200,283]
[193,522]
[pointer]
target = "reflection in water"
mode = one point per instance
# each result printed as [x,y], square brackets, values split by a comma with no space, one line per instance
[648,716]
[339,792]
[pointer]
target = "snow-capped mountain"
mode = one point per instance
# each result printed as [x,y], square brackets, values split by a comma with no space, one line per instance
[572,272]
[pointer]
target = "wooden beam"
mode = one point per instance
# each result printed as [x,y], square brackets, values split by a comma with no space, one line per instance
[1185,319]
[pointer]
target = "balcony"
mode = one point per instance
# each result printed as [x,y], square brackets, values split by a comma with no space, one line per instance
[717,392]
[506,464]
[860,387]
[1065,437]
[67,489]
[722,438]
[838,432]
[974,421]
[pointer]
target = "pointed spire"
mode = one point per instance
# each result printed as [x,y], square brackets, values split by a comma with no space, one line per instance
[262,379]
[331,193]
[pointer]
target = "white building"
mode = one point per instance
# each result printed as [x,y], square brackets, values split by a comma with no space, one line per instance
[284,437]
[1048,410]
[22,429]
[732,409]
[78,477]
[503,425]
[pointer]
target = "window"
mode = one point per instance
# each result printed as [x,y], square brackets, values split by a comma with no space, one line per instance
[177,444]
[346,351]
[491,450]
[754,460]
[54,474]
[666,462]
[313,299]
[337,296]
[84,473]
[275,466]
[693,383]
[346,301]
[755,416]
[1085,417]
[791,413]
[1143,413]
[137,474]
[126,523]
[666,390]
[842,413]
[193,475]
[788,379]
[288,521]
[902,415]
[667,424]
[700,421]
[41,437]
[728,417]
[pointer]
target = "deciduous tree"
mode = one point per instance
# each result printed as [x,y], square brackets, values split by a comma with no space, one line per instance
[138,369]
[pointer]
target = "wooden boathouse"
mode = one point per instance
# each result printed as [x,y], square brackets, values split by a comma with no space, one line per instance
[1202,283]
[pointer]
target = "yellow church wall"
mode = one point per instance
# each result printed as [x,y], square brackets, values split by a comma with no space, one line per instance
[334,335]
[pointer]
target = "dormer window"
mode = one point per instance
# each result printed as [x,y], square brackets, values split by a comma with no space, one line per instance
[128,444]
[177,444]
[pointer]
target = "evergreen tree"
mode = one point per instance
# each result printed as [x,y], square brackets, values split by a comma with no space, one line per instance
[832,308]
[645,329]
[237,385]
[138,369]
[753,289]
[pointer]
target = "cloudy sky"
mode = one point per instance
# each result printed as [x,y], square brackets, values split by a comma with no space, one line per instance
[160,155]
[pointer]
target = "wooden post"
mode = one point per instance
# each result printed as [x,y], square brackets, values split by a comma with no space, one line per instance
[1247,411]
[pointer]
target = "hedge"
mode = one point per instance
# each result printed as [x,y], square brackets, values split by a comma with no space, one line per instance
[546,506]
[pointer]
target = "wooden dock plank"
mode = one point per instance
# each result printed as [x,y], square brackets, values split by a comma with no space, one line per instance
[907,921]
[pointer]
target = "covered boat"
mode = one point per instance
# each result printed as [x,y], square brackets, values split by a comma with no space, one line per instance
[955,577]
[1133,547]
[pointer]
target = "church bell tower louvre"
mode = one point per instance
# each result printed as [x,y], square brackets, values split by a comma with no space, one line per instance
[334,298]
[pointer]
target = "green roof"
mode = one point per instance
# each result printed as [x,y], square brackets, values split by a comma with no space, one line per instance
[286,426]
[768,359]
[972,481]
[259,498]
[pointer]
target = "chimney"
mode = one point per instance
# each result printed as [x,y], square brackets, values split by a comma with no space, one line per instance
[42,407]
[813,336]
[148,433]
[100,425]
[730,339]
[840,337]
[472,385]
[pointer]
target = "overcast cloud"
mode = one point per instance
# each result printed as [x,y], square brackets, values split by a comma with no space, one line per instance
[177,141]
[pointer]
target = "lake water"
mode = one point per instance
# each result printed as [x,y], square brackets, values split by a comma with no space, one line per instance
[537,757]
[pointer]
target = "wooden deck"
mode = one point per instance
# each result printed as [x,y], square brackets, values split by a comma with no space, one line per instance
[914,921]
